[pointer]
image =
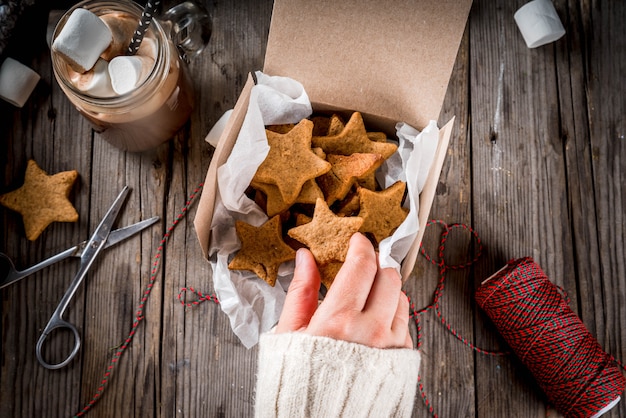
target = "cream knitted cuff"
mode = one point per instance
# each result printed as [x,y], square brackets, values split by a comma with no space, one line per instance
[306,376]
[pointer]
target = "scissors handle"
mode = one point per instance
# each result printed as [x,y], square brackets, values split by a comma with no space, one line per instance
[57,322]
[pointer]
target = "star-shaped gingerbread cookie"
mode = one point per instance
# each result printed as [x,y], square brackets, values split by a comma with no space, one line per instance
[327,235]
[336,125]
[42,199]
[346,170]
[275,203]
[353,138]
[382,212]
[290,162]
[262,249]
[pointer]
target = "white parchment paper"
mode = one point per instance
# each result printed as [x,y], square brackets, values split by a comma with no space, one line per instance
[252,306]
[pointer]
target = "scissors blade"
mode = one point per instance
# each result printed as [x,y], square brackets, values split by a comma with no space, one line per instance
[119,235]
[92,249]
[76,251]
[101,233]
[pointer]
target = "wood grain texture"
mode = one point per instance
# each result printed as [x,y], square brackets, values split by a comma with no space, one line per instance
[535,166]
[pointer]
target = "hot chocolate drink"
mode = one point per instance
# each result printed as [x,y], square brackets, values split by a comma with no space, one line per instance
[135,103]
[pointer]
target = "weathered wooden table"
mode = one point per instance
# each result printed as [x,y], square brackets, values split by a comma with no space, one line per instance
[536,167]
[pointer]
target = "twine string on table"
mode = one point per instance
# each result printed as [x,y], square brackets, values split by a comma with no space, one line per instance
[201,297]
[435,306]
[139,316]
[443,270]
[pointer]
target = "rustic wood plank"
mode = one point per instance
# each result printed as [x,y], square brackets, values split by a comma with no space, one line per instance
[519,183]
[489,63]
[604,64]
[121,278]
[575,136]
[39,295]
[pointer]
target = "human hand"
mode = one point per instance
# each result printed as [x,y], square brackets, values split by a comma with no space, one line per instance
[364,305]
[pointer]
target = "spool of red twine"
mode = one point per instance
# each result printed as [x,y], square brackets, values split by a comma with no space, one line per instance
[578,377]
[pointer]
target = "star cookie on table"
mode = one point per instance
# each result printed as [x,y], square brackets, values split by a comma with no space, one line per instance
[345,171]
[327,235]
[290,162]
[382,211]
[262,249]
[353,138]
[42,199]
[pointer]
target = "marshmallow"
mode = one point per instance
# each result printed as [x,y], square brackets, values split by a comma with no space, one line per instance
[83,38]
[127,72]
[539,23]
[96,81]
[17,82]
[122,29]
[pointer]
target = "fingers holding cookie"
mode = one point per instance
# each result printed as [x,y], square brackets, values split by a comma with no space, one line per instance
[354,280]
[365,304]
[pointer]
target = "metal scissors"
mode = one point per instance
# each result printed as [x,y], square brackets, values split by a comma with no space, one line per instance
[101,238]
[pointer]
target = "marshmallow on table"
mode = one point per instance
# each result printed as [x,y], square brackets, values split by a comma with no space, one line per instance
[83,38]
[96,81]
[17,82]
[127,72]
[539,23]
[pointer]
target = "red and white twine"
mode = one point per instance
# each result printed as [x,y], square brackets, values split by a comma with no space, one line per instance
[576,374]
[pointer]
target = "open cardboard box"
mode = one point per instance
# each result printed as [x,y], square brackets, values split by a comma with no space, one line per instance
[391,61]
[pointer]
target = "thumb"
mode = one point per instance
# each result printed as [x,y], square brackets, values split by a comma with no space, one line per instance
[301,300]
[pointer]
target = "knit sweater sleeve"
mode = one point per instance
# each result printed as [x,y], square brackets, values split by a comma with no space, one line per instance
[300,375]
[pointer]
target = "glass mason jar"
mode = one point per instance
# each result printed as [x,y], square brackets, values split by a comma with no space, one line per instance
[158,107]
